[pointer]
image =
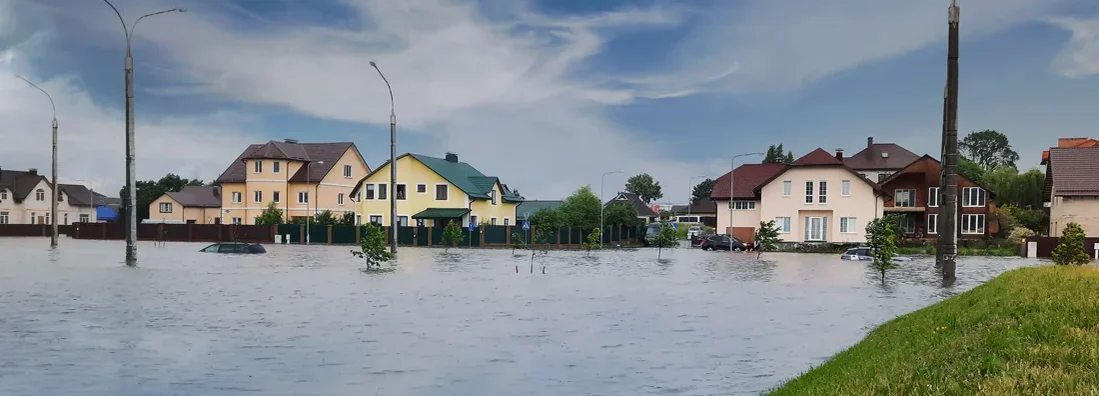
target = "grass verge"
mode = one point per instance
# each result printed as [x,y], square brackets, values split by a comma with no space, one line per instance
[1007,251]
[1030,331]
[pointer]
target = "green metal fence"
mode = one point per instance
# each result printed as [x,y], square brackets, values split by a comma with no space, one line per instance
[486,235]
[344,234]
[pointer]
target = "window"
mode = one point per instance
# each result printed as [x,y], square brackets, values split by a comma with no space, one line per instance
[823,192]
[3,217]
[165,207]
[275,167]
[236,197]
[933,197]
[347,171]
[3,195]
[815,228]
[339,199]
[882,177]
[369,191]
[492,196]
[358,219]
[376,219]
[506,221]
[258,167]
[402,221]
[847,225]
[236,220]
[743,205]
[845,188]
[40,195]
[32,217]
[421,188]
[303,197]
[808,192]
[84,218]
[973,224]
[783,224]
[441,192]
[908,224]
[932,224]
[257,196]
[973,197]
[492,221]
[401,193]
[381,191]
[66,218]
[904,198]
[275,196]
[787,188]
[48,219]
[473,220]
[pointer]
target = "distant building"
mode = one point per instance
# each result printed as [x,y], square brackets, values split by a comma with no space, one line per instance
[1072,188]
[26,197]
[878,160]
[916,196]
[191,205]
[644,211]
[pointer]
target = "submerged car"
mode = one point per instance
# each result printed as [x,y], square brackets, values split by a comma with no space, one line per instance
[651,232]
[865,254]
[235,247]
[723,242]
[694,231]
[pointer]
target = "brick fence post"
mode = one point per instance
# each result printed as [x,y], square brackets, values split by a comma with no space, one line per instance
[329,234]
[429,237]
[481,235]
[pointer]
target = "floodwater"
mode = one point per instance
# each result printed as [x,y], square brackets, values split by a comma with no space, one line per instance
[304,320]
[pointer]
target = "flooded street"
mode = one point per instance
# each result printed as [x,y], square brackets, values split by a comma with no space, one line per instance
[303,320]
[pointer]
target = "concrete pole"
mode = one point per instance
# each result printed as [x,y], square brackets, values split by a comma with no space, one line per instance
[392,163]
[53,177]
[945,255]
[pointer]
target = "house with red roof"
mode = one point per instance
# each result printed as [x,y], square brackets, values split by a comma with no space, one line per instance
[917,198]
[815,199]
[1072,185]
[879,160]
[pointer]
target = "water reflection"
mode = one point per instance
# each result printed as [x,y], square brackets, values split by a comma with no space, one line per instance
[305,320]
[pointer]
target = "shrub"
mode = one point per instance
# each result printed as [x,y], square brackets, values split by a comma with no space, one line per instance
[1020,234]
[1070,247]
[452,235]
[372,243]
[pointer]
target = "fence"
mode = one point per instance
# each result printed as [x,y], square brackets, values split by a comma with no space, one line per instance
[1042,247]
[177,232]
[32,230]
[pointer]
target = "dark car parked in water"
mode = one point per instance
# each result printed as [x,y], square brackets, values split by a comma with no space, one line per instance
[235,247]
[723,242]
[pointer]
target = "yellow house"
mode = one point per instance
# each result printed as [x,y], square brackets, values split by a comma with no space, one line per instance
[435,191]
[302,179]
[191,205]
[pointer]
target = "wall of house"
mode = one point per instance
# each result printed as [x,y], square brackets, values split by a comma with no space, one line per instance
[924,175]
[335,183]
[33,211]
[175,215]
[741,218]
[876,175]
[485,210]
[410,172]
[863,203]
[1081,210]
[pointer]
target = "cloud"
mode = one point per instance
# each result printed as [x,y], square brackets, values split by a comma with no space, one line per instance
[1080,56]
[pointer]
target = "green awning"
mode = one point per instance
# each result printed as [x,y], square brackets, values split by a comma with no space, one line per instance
[441,213]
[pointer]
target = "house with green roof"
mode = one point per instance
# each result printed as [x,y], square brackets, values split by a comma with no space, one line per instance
[433,191]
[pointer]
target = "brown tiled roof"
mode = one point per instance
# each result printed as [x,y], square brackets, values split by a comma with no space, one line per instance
[1074,171]
[198,196]
[897,157]
[639,205]
[702,206]
[20,183]
[1071,142]
[818,157]
[314,153]
[747,178]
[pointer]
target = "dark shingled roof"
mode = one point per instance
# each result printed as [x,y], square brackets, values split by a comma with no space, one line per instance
[1075,171]
[328,153]
[640,206]
[897,157]
[747,178]
[20,183]
[78,195]
[198,196]
[700,207]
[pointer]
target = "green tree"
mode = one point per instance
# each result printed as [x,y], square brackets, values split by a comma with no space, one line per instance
[1023,190]
[620,213]
[374,249]
[1070,247]
[772,155]
[989,149]
[665,239]
[348,218]
[271,215]
[645,187]
[324,218]
[518,241]
[592,241]
[881,235]
[767,237]
[148,191]
[789,157]
[971,170]
[543,237]
[547,217]
[702,190]
[581,209]
[452,235]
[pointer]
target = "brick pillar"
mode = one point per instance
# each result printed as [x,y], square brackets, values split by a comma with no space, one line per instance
[190,232]
[301,234]
[481,235]
[358,235]
[329,234]
[557,234]
[569,244]
[429,237]
[530,243]
[507,236]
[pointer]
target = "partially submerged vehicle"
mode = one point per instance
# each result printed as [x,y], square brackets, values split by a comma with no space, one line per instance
[235,248]
[865,253]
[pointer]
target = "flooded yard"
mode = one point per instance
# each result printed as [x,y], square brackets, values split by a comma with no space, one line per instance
[303,320]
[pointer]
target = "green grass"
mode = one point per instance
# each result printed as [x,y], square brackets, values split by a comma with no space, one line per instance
[1030,331]
[1007,251]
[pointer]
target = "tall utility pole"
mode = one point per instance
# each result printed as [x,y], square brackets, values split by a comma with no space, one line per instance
[392,164]
[53,177]
[131,182]
[946,251]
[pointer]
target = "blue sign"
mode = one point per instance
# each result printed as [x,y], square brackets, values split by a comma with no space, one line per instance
[526,226]
[471,226]
[675,226]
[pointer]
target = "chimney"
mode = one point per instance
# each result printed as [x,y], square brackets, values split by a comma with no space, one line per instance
[451,157]
[839,154]
[291,141]
[869,142]
[217,192]
[32,171]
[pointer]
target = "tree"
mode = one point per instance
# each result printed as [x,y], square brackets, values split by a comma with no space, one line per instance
[543,237]
[1070,247]
[581,209]
[372,243]
[702,190]
[777,155]
[271,215]
[645,187]
[148,191]
[518,241]
[789,157]
[592,241]
[324,218]
[881,235]
[665,215]
[665,239]
[971,170]
[767,237]
[452,235]
[620,213]
[989,149]
[546,217]
[348,218]
[1023,190]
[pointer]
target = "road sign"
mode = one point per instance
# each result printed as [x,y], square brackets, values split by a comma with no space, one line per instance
[526,226]
[471,226]
[675,226]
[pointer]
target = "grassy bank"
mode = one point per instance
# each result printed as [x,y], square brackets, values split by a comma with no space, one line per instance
[1031,331]
[1006,251]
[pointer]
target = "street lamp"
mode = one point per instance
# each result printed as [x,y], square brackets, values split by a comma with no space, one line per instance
[392,163]
[53,200]
[732,170]
[690,192]
[131,182]
[309,217]
[601,204]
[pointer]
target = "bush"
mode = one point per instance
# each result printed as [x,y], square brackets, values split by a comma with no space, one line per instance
[372,243]
[1070,247]
[452,235]
[1020,234]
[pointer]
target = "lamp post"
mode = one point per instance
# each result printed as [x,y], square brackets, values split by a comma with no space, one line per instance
[690,192]
[131,182]
[732,169]
[53,176]
[601,204]
[392,163]
[308,199]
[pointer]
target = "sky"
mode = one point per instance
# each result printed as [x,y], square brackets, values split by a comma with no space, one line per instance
[546,94]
